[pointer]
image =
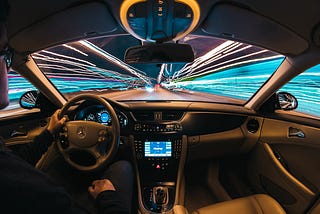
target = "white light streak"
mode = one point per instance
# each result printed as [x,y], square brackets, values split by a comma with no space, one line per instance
[163,67]
[67,57]
[114,60]
[75,49]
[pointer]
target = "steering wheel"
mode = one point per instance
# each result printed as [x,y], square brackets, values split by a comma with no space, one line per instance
[88,137]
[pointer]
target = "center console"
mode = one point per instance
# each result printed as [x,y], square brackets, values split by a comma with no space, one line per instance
[160,158]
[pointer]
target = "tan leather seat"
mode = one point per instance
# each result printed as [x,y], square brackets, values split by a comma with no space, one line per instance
[255,204]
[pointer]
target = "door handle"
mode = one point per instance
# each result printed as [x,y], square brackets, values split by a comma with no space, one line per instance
[16,133]
[294,132]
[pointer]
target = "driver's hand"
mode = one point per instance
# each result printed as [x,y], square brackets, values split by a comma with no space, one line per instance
[55,123]
[99,186]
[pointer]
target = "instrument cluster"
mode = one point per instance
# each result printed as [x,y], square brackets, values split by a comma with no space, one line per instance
[100,114]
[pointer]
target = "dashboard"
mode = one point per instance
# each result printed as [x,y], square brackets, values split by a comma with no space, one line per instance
[210,130]
[98,113]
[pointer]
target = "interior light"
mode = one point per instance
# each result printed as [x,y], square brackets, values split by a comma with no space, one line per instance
[192,4]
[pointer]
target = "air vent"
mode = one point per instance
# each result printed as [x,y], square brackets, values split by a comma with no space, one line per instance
[144,115]
[172,115]
[253,126]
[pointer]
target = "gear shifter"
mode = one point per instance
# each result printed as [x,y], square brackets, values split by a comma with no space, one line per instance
[160,195]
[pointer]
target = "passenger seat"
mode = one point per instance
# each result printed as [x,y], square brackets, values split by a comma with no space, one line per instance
[255,204]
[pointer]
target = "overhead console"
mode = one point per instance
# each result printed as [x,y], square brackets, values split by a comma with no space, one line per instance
[160,153]
[161,20]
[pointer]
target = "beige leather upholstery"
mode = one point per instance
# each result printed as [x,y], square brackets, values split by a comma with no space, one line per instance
[255,204]
[179,209]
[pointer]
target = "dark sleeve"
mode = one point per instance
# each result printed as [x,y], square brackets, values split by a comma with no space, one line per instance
[33,151]
[28,190]
[109,202]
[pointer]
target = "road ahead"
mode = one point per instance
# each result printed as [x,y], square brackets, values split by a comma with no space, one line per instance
[162,94]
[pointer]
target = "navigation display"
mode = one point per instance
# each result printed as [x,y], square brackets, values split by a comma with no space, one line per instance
[157,149]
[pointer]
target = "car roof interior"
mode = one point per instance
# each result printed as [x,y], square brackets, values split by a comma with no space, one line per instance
[297,23]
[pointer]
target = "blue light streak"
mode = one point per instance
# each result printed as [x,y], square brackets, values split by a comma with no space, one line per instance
[240,82]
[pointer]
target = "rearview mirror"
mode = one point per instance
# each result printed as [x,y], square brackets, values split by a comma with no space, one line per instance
[160,53]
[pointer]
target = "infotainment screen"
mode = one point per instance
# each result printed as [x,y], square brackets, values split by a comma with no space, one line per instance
[157,149]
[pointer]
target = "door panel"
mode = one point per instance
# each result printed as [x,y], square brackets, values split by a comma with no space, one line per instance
[19,130]
[284,163]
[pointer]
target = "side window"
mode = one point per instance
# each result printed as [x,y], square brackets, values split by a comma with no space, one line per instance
[18,85]
[306,88]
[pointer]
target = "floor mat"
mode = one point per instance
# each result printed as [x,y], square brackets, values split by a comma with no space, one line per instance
[233,177]
[198,193]
[198,196]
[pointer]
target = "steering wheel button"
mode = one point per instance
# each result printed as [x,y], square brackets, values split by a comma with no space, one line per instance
[101,139]
[102,132]
[64,144]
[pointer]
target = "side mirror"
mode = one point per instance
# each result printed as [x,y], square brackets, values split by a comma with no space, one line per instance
[29,100]
[286,101]
[160,53]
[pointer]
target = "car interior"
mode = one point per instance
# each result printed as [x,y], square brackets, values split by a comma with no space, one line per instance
[158,97]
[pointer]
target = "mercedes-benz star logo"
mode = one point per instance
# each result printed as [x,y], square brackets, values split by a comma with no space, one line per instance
[81,132]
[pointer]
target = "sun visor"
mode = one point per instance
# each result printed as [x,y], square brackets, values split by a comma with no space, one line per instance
[75,23]
[236,23]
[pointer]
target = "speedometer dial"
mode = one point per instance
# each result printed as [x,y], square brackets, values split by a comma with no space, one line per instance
[104,117]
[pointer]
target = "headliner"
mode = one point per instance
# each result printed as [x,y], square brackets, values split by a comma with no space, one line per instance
[300,17]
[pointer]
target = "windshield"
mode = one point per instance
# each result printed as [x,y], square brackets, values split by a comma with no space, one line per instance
[223,71]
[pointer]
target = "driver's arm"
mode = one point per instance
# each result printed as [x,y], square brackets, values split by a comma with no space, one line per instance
[33,151]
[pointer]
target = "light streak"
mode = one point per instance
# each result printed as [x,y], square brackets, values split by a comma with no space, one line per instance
[214,55]
[220,67]
[213,61]
[79,70]
[238,63]
[199,60]
[163,67]
[75,49]
[67,57]
[218,57]
[115,60]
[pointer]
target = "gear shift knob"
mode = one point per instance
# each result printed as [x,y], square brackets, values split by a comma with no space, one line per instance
[160,195]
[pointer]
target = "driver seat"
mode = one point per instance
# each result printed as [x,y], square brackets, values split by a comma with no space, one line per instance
[254,204]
